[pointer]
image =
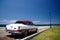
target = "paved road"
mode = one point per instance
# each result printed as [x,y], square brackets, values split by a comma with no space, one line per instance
[6,36]
[3,34]
[42,27]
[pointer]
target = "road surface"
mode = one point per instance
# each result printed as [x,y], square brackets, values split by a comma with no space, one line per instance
[6,36]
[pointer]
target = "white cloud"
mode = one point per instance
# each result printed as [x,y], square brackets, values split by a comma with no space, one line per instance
[36,22]
[13,21]
[7,21]
[41,22]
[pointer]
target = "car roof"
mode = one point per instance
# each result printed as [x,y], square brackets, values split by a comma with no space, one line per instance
[24,21]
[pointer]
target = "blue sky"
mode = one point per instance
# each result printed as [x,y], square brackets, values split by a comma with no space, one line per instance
[35,10]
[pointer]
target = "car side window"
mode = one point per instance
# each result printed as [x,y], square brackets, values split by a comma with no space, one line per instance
[20,22]
[29,23]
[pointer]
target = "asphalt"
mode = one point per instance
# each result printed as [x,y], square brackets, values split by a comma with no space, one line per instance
[6,36]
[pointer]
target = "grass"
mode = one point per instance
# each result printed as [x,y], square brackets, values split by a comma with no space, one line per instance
[50,34]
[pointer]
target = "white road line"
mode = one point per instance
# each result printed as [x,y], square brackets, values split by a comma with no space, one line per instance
[33,34]
[40,30]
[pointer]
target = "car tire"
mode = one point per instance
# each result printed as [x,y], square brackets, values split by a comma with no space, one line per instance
[25,33]
[36,30]
[12,34]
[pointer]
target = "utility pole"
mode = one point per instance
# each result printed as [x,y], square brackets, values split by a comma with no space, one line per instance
[50,18]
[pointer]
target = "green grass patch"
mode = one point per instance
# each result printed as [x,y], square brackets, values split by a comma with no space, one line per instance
[50,34]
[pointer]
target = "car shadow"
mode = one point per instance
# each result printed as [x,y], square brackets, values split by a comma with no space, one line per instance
[18,36]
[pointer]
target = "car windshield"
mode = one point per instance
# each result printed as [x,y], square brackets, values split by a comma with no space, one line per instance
[26,23]
[20,22]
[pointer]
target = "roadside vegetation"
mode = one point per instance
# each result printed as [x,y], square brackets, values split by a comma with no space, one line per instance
[50,34]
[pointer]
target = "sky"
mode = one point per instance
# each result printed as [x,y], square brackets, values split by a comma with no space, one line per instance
[34,10]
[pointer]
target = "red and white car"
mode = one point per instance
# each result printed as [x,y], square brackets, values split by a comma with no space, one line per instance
[21,27]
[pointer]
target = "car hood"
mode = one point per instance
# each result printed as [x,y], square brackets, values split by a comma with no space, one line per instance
[16,25]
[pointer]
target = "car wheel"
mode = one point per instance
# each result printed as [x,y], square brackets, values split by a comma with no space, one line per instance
[36,30]
[25,33]
[12,34]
